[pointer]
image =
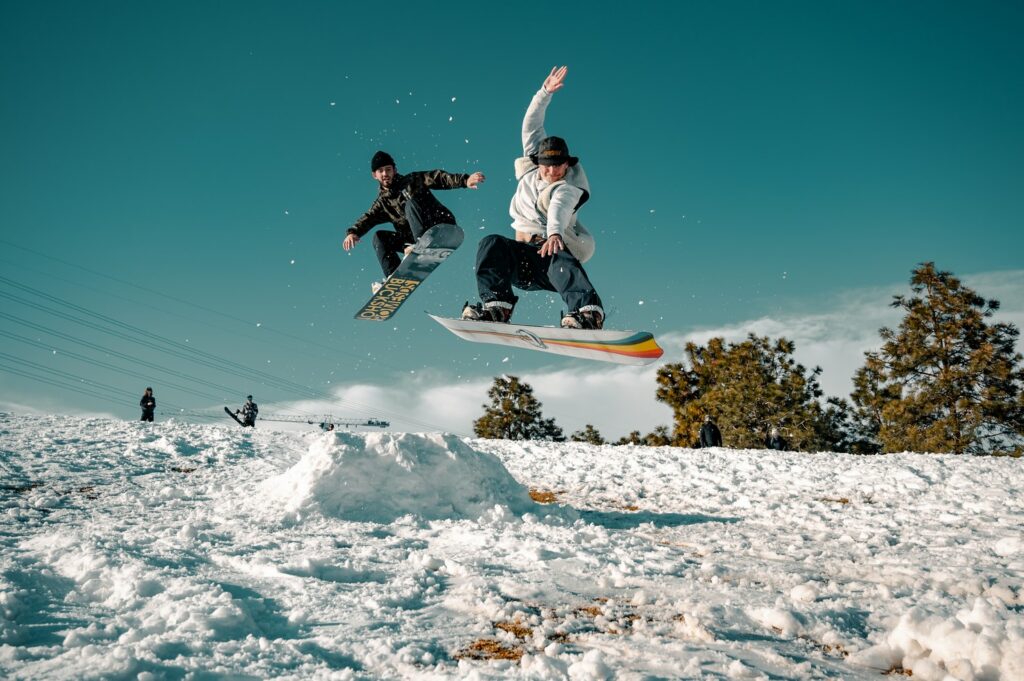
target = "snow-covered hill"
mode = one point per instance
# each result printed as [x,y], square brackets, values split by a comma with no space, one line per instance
[173,550]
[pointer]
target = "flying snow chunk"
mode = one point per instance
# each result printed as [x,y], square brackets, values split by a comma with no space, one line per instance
[379,477]
[453,99]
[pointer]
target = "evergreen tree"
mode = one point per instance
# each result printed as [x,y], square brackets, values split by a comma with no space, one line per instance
[749,387]
[659,437]
[589,434]
[634,438]
[946,380]
[514,414]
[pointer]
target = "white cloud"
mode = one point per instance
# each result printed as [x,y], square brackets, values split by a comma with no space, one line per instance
[617,400]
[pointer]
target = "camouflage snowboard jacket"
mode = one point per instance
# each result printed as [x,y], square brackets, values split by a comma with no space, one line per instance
[390,203]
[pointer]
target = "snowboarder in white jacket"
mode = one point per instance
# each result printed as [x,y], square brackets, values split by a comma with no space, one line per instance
[550,243]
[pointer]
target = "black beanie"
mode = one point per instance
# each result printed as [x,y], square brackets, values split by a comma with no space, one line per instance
[379,160]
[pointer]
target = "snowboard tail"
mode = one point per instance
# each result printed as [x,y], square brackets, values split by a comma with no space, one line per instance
[433,248]
[234,416]
[605,345]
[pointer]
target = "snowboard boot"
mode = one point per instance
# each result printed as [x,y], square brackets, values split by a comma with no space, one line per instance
[376,286]
[587,317]
[493,311]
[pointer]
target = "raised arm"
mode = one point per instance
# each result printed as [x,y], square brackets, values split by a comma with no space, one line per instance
[533,122]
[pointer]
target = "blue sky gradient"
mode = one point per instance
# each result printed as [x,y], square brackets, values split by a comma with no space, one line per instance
[189,169]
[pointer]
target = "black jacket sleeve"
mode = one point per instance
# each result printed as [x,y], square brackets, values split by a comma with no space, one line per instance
[368,220]
[440,179]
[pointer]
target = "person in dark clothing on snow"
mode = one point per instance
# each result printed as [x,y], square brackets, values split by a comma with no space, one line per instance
[776,441]
[148,404]
[407,203]
[710,435]
[248,411]
[550,244]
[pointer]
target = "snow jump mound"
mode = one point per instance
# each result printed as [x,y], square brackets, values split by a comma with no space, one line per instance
[378,477]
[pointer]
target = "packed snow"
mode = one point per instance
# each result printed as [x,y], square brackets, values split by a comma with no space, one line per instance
[174,550]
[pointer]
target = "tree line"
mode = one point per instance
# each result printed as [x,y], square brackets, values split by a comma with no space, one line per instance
[947,379]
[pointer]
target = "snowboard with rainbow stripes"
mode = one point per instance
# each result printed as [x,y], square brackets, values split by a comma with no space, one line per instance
[604,345]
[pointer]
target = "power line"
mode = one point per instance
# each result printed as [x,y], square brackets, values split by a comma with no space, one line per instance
[175,348]
[186,352]
[96,362]
[100,348]
[247,323]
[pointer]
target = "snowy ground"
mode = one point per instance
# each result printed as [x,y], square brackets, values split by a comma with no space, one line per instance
[173,550]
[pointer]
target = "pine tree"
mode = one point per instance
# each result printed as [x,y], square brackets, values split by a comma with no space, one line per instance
[749,387]
[634,438]
[589,434]
[514,414]
[946,380]
[659,437]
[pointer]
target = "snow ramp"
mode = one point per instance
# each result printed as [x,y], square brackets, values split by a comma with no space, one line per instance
[378,477]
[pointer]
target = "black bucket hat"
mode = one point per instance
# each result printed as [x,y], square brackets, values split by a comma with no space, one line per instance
[553,151]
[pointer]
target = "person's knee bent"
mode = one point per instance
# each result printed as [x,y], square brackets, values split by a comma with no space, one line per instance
[492,242]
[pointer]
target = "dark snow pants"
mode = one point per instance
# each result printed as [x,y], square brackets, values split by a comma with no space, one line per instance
[389,244]
[502,263]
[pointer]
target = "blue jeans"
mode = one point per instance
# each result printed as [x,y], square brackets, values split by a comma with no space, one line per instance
[389,244]
[502,263]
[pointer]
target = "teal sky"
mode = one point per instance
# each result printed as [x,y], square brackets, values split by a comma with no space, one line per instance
[189,169]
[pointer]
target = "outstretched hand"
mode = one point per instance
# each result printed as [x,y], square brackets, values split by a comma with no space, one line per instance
[350,242]
[473,180]
[556,79]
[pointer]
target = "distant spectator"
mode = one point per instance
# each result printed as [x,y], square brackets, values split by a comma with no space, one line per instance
[248,411]
[148,404]
[776,441]
[710,435]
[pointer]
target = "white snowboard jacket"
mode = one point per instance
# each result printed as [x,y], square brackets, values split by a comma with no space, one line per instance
[548,208]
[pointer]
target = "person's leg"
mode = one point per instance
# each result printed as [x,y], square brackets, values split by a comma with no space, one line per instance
[421,220]
[418,223]
[388,245]
[496,266]
[570,280]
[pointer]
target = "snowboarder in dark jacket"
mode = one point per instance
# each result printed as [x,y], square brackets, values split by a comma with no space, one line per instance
[710,435]
[248,411]
[148,404]
[407,203]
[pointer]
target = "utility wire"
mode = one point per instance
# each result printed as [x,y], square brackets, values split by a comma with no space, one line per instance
[100,348]
[248,325]
[96,362]
[185,352]
[178,349]
[330,348]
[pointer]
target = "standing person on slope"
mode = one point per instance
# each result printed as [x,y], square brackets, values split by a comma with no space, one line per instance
[148,404]
[550,244]
[406,202]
